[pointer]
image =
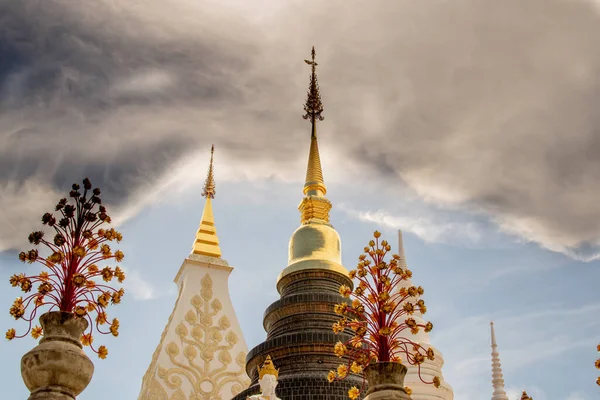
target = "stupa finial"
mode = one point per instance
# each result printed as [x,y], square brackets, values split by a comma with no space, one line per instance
[314,184]
[497,377]
[206,242]
[208,189]
[313,105]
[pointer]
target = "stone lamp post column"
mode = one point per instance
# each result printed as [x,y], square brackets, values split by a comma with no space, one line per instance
[58,369]
[386,381]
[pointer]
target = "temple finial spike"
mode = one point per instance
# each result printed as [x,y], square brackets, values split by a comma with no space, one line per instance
[313,106]
[208,190]
[314,184]
[206,242]
[497,377]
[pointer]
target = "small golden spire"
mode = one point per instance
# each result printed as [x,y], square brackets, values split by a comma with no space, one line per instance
[209,185]
[268,369]
[207,242]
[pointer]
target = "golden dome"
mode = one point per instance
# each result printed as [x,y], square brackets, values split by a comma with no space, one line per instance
[314,246]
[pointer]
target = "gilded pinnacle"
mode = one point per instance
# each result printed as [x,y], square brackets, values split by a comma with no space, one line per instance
[206,242]
[313,106]
[314,206]
[208,189]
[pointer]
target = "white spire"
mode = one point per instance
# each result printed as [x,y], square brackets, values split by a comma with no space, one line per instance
[497,378]
[429,369]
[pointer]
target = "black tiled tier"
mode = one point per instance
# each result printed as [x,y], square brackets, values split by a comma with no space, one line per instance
[300,339]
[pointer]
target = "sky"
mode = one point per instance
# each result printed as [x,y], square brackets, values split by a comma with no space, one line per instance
[472,125]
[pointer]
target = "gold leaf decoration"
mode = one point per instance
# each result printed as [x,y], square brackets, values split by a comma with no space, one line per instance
[206,319]
[224,323]
[216,305]
[231,338]
[190,352]
[200,342]
[191,317]
[178,395]
[162,372]
[241,359]
[225,357]
[197,301]
[156,391]
[181,330]
[216,336]
[197,332]
[172,349]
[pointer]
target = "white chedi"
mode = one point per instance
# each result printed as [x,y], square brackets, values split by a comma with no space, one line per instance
[429,369]
[267,379]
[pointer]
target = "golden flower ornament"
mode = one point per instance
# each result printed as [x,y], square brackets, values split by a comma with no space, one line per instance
[70,279]
[379,312]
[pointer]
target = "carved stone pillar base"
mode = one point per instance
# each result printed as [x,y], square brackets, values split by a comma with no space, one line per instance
[57,368]
[386,381]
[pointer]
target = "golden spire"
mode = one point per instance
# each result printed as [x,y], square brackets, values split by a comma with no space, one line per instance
[314,205]
[314,184]
[268,369]
[207,242]
[209,184]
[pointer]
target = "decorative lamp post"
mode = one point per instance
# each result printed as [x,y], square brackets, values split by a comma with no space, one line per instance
[68,286]
[379,314]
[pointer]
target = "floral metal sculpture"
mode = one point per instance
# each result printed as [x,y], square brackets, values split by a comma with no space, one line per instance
[380,316]
[69,282]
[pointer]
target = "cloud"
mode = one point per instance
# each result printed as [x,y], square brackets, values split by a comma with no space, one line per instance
[577,396]
[135,284]
[474,105]
[425,227]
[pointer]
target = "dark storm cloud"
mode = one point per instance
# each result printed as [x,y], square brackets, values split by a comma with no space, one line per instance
[489,105]
[485,105]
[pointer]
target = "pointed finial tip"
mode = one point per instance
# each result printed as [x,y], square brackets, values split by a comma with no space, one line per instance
[313,105]
[208,189]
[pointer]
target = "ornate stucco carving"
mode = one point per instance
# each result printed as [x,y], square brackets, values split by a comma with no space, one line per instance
[202,354]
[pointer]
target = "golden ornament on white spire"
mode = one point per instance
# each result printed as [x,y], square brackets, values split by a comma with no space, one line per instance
[207,242]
